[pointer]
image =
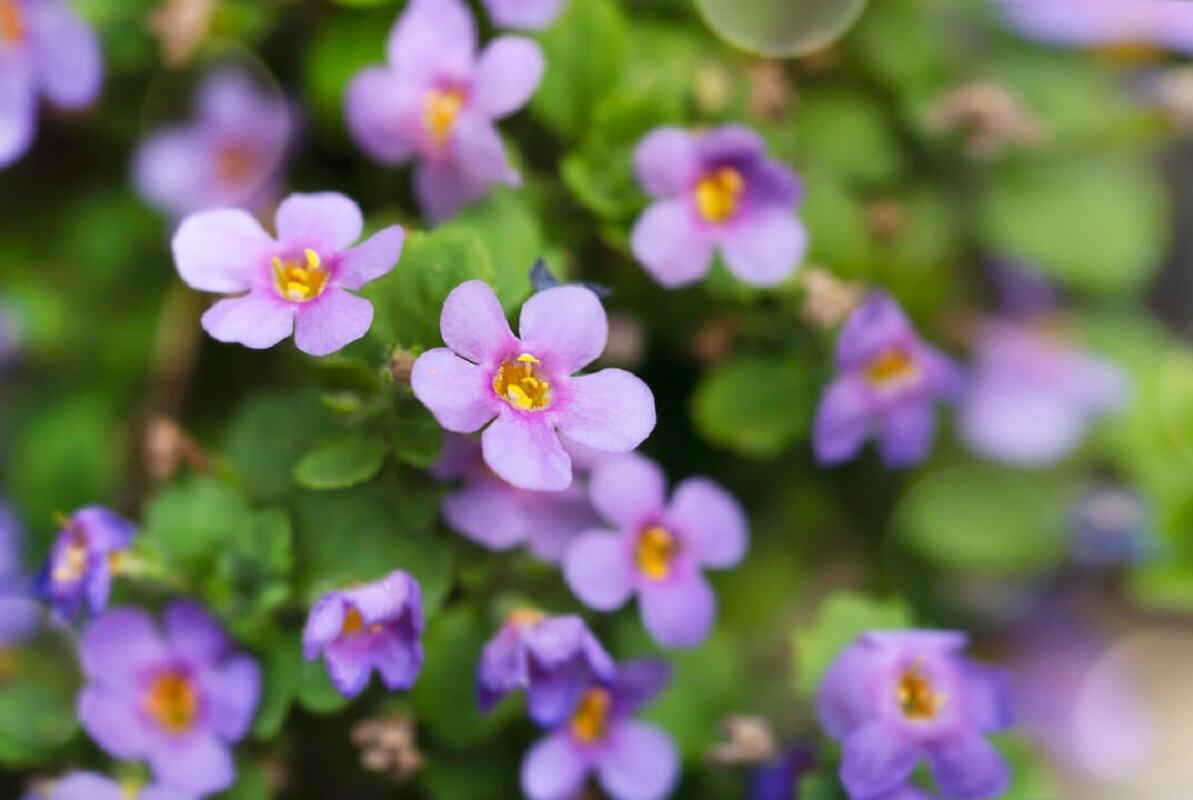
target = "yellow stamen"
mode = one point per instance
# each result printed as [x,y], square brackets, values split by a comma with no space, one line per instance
[12,22]
[918,701]
[172,702]
[518,383]
[525,617]
[655,551]
[592,716]
[442,106]
[297,282]
[354,623]
[893,367]
[718,194]
[73,564]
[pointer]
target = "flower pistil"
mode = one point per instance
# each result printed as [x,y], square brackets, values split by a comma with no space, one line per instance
[442,106]
[591,718]
[718,194]
[12,22]
[518,383]
[172,701]
[918,700]
[298,282]
[655,551]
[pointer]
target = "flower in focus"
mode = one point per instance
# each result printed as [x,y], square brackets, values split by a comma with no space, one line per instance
[92,786]
[1032,397]
[299,283]
[83,559]
[1104,23]
[177,700]
[887,381]
[45,49]
[527,383]
[437,100]
[227,155]
[377,625]
[529,15]
[554,659]
[894,697]
[498,516]
[632,760]
[658,549]
[716,190]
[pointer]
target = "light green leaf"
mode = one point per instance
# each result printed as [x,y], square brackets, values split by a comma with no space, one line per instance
[756,405]
[340,463]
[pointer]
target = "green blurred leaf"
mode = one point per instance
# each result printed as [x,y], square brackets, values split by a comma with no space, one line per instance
[841,619]
[252,573]
[340,463]
[191,521]
[756,405]
[417,437]
[342,46]
[847,132]
[37,700]
[281,676]
[511,232]
[316,692]
[268,434]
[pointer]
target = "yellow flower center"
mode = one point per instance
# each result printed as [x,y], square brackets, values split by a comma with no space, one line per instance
[718,194]
[12,22]
[354,623]
[73,563]
[299,282]
[893,367]
[440,110]
[518,383]
[591,718]
[918,701]
[172,702]
[655,551]
[525,617]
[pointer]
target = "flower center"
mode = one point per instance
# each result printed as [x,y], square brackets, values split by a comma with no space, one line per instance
[518,383]
[655,551]
[440,110]
[299,282]
[172,701]
[72,565]
[892,368]
[12,22]
[236,162]
[718,194]
[917,699]
[525,617]
[354,623]
[591,718]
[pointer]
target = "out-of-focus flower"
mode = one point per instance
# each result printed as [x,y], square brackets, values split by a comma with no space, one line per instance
[1112,526]
[778,779]
[18,611]
[894,697]
[181,26]
[297,284]
[178,700]
[749,740]
[375,626]
[658,549]
[437,100]
[828,301]
[530,15]
[227,155]
[499,516]
[1098,23]
[93,786]
[389,745]
[1031,396]
[554,659]
[528,384]
[887,382]
[716,190]
[47,50]
[84,557]
[632,760]
[989,115]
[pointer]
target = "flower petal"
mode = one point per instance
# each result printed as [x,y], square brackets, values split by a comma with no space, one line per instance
[629,490]
[507,73]
[765,248]
[443,188]
[171,170]
[372,258]
[666,162]
[398,660]
[525,451]
[220,250]
[18,108]
[382,111]
[193,634]
[876,325]
[968,767]
[323,625]
[479,151]
[905,433]
[473,324]
[843,698]
[327,222]
[565,326]
[678,612]
[232,690]
[336,319]
[638,682]
[201,764]
[85,786]
[712,521]
[554,769]
[842,421]
[118,644]
[348,667]
[257,320]
[529,15]
[597,569]
[112,722]
[610,410]
[490,515]
[670,244]
[65,52]
[433,39]
[876,759]
[638,762]
[458,393]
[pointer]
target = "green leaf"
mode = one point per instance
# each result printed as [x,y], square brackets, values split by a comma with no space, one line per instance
[252,573]
[340,463]
[847,132]
[756,405]
[417,437]
[267,436]
[281,676]
[316,692]
[342,46]
[841,619]
[37,700]
[189,522]
[511,232]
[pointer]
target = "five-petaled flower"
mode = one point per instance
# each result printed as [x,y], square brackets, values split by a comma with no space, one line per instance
[632,760]
[178,700]
[894,697]
[887,381]
[716,190]
[377,625]
[93,786]
[298,283]
[437,100]
[82,561]
[658,549]
[527,383]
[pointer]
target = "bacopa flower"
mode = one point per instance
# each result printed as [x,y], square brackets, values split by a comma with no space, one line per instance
[437,100]
[716,190]
[177,700]
[82,560]
[530,15]
[658,548]
[375,626]
[227,155]
[887,381]
[499,516]
[301,282]
[554,659]
[93,786]
[45,49]
[1031,396]
[1097,23]
[894,697]
[632,760]
[527,383]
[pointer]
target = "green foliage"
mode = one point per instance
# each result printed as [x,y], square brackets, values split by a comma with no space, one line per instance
[37,700]
[340,463]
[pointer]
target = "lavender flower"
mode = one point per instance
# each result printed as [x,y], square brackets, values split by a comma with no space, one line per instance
[632,760]
[45,49]
[554,659]
[530,15]
[228,155]
[778,778]
[92,786]
[375,626]
[299,283]
[178,700]
[716,190]
[498,516]
[1095,23]
[82,560]
[887,380]
[893,697]
[528,384]
[658,548]
[18,612]
[437,100]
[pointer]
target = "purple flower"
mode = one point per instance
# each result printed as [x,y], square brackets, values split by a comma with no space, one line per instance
[1032,397]
[778,779]
[178,701]
[658,548]
[45,49]
[716,189]
[228,155]
[530,15]
[18,611]
[632,760]
[1086,23]
[1111,526]
[893,697]
[436,101]
[555,659]
[528,384]
[887,380]
[299,283]
[92,786]
[498,516]
[375,626]
[82,560]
